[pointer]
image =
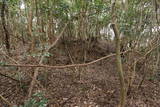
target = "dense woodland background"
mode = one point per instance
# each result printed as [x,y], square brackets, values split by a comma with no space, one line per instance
[80,53]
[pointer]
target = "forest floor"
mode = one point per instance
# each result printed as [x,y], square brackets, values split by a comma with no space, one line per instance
[95,85]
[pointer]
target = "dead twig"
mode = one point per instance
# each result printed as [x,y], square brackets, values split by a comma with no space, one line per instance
[14,61]
[5,54]
[6,101]
[9,77]
[144,58]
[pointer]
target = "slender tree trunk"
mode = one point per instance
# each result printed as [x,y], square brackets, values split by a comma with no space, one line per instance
[30,23]
[6,33]
[118,58]
[119,67]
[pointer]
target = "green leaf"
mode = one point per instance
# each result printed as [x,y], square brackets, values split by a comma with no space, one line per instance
[2,63]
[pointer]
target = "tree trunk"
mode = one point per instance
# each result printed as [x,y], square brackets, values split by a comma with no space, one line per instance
[119,67]
[118,58]
[6,33]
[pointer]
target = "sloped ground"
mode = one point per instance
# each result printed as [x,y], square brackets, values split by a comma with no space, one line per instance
[95,85]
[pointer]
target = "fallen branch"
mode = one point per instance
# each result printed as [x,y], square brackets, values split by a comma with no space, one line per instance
[72,65]
[9,77]
[76,65]
[64,66]
[14,61]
